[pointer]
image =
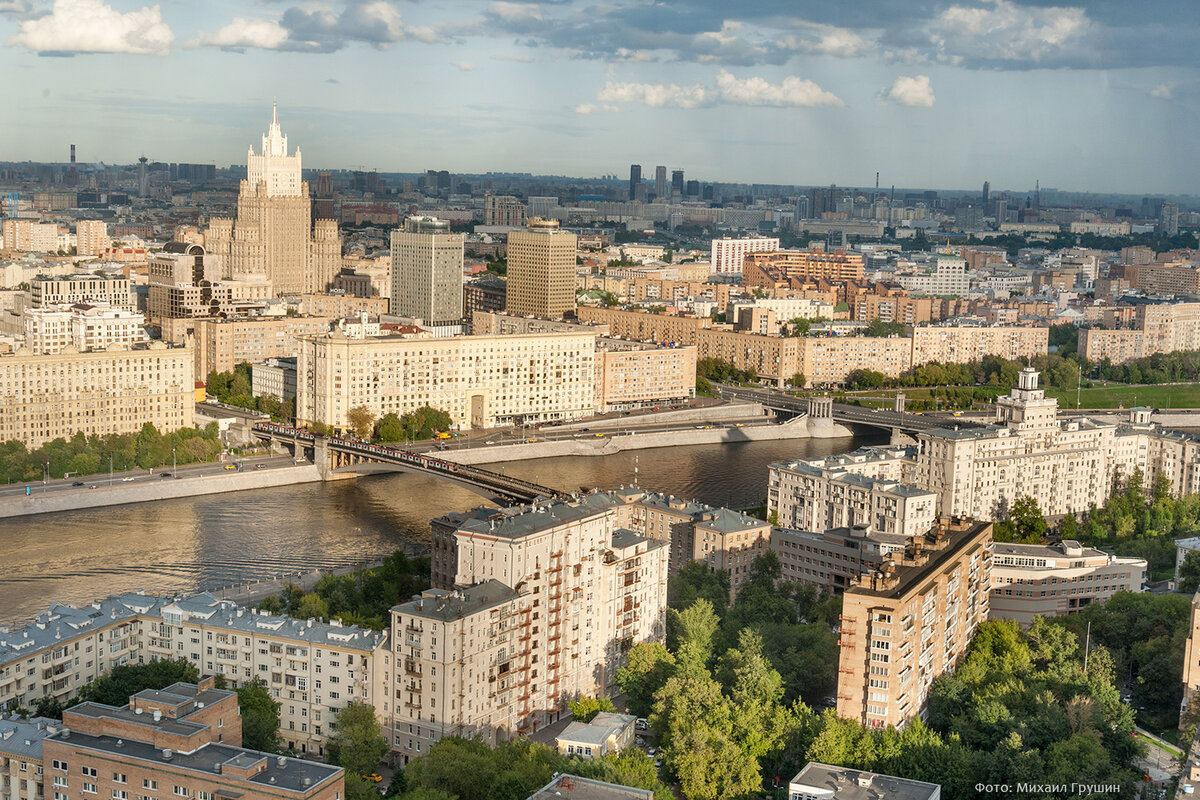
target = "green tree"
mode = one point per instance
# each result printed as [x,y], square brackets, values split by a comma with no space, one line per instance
[389,429]
[126,680]
[260,717]
[648,665]
[312,606]
[1189,572]
[357,743]
[1028,522]
[586,708]
[361,420]
[692,632]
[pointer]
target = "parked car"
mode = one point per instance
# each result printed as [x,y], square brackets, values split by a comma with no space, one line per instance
[77,483]
[164,474]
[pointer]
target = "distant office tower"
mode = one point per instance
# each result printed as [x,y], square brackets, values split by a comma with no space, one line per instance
[1168,219]
[271,236]
[635,179]
[427,269]
[802,211]
[541,270]
[693,188]
[503,209]
[322,197]
[660,182]
[677,182]
[987,192]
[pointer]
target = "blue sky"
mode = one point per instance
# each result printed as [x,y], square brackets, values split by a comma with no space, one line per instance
[1089,96]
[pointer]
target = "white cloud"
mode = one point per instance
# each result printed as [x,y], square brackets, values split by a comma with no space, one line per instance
[914,91]
[831,41]
[1002,30]
[655,95]
[91,26]
[465,66]
[1162,92]
[585,108]
[518,58]
[515,12]
[242,32]
[755,91]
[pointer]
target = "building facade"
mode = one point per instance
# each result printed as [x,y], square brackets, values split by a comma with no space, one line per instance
[728,255]
[541,270]
[635,374]
[45,397]
[910,621]
[427,272]
[961,344]
[72,289]
[83,327]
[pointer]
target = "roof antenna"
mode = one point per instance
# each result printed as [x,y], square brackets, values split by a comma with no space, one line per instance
[635,470]
[274,112]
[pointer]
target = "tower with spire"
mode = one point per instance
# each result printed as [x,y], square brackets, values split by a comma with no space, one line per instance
[272,235]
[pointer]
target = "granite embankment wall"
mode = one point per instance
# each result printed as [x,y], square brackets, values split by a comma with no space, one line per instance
[149,491]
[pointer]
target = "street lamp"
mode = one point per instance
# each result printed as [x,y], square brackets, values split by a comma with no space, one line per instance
[45,477]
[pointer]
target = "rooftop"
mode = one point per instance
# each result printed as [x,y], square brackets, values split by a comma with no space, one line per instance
[958,539]
[451,604]
[840,783]
[22,738]
[569,787]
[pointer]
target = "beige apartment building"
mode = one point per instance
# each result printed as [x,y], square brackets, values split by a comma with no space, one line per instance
[27,236]
[639,374]
[481,381]
[646,327]
[827,360]
[788,268]
[547,599]
[1191,654]
[185,282]
[222,344]
[1162,328]
[44,397]
[340,305]
[312,668]
[72,289]
[910,621]
[186,737]
[961,344]
[1052,580]
[504,210]
[816,496]
[834,558]
[541,270]
[91,237]
[22,774]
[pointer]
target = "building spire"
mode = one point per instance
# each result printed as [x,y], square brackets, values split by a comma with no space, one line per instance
[274,113]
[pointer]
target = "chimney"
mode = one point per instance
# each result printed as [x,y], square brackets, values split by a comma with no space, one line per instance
[167,754]
[157,715]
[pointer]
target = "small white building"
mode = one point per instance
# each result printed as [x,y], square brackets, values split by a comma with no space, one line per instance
[606,733]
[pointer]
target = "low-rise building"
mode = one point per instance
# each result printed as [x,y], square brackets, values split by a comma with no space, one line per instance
[222,344]
[948,343]
[910,621]
[824,782]
[49,331]
[571,787]
[833,559]
[1052,580]
[22,773]
[276,377]
[605,733]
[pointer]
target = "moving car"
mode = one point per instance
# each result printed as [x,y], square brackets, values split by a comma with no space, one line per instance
[77,483]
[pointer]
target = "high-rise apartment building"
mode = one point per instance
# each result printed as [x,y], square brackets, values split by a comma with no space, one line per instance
[541,270]
[1168,219]
[427,272]
[728,255]
[773,268]
[547,599]
[222,344]
[660,183]
[677,184]
[635,180]
[27,236]
[910,621]
[91,237]
[325,255]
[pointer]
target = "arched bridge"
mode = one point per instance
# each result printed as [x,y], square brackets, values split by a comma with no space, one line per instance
[334,454]
[892,420]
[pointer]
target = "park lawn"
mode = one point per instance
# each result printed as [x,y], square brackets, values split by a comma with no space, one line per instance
[1176,396]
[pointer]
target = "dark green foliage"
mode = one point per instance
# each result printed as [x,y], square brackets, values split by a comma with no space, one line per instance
[420,424]
[89,455]
[260,717]
[586,708]
[878,327]
[356,743]
[115,688]
[1189,573]
[234,388]
[363,597]
[716,369]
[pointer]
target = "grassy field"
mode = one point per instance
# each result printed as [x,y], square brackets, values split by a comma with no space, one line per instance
[1177,396]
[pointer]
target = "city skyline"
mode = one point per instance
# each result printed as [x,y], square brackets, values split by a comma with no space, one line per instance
[1085,97]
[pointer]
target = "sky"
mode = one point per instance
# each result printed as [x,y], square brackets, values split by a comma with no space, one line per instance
[1096,95]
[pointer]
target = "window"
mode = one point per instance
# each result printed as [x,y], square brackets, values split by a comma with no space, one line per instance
[89,788]
[120,794]
[59,780]
[205,795]
[60,765]
[149,784]
[120,777]
[181,791]
[88,771]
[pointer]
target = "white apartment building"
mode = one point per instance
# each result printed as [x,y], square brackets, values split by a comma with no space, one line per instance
[72,289]
[948,277]
[312,668]
[548,598]
[27,236]
[810,496]
[957,343]
[481,381]
[48,331]
[1052,580]
[729,254]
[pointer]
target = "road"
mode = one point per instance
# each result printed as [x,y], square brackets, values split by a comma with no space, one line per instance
[58,485]
[1159,763]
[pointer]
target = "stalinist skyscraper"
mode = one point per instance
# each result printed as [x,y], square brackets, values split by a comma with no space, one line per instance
[273,232]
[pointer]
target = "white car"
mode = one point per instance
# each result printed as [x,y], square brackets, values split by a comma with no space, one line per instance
[641,724]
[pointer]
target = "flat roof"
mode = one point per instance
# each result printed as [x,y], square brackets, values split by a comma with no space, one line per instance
[571,787]
[908,576]
[852,784]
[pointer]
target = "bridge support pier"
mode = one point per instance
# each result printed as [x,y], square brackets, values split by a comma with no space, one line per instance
[321,457]
[899,437]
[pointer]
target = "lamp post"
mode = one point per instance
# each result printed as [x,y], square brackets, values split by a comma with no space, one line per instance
[45,477]
[172,462]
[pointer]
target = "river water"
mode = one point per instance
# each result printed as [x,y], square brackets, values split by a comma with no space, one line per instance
[199,543]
